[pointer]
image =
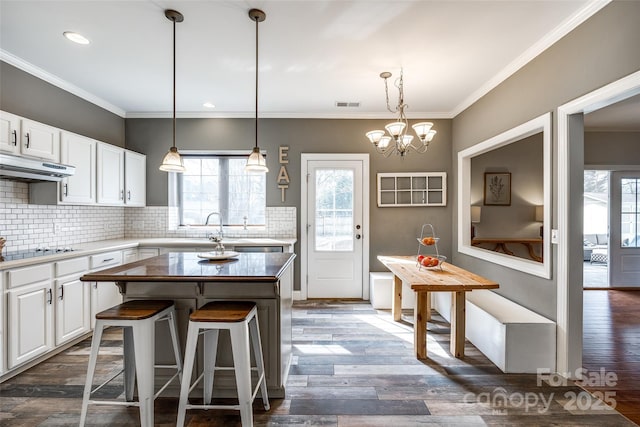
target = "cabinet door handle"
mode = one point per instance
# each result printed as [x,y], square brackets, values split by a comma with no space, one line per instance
[61,293]
[15,137]
[66,189]
[27,136]
[49,296]
[129,195]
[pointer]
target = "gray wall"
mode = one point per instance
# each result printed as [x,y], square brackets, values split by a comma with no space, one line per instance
[28,96]
[601,50]
[393,230]
[612,148]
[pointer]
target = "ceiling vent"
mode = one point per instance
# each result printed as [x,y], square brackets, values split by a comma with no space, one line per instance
[347,104]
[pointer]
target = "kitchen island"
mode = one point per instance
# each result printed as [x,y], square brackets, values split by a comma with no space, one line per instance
[191,282]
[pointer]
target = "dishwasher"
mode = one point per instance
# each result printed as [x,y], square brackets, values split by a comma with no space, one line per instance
[258,249]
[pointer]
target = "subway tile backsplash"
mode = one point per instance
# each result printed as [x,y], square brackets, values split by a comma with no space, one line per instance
[27,226]
[161,221]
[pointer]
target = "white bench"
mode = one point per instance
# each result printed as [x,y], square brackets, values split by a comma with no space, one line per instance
[381,291]
[513,337]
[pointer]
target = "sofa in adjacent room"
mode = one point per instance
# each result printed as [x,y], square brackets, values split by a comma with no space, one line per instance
[594,241]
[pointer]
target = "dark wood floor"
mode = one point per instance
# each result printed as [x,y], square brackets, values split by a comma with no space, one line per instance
[353,366]
[612,344]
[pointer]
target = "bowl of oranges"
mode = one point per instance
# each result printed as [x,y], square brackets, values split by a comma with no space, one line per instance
[430,261]
[428,241]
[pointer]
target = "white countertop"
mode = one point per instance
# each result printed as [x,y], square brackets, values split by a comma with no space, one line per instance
[83,249]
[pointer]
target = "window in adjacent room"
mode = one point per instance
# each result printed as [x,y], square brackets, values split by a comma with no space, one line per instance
[218,183]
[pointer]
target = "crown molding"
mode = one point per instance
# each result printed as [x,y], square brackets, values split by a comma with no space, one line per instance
[281,115]
[590,9]
[38,72]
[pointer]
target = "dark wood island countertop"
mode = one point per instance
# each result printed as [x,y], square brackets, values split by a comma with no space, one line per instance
[188,267]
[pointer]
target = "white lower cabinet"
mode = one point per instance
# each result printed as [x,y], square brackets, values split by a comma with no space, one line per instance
[47,305]
[129,255]
[144,253]
[72,309]
[104,294]
[73,302]
[30,322]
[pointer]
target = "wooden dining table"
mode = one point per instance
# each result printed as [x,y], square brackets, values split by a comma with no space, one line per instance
[422,280]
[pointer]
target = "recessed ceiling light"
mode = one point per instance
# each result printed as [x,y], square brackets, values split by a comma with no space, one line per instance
[75,37]
[208,105]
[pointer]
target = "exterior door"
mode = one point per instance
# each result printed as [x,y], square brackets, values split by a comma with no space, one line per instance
[624,235]
[334,227]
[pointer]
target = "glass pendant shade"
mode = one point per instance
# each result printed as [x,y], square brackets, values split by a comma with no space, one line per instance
[172,161]
[406,141]
[375,136]
[384,142]
[422,129]
[256,162]
[395,128]
[430,135]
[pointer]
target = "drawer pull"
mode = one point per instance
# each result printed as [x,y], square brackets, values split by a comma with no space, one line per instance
[107,260]
[27,139]
[15,137]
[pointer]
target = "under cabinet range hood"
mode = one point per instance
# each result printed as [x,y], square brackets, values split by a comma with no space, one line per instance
[17,168]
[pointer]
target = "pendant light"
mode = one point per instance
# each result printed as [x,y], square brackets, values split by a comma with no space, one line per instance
[256,162]
[172,161]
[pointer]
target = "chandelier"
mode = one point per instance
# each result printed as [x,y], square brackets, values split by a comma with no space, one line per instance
[399,142]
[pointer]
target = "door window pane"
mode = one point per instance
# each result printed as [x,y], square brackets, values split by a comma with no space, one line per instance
[630,213]
[334,210]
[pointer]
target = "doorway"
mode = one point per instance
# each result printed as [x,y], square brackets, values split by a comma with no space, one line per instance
[570,143]
[595,225]
[335,216]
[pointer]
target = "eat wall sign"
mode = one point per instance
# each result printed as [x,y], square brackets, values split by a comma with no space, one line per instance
[283,175]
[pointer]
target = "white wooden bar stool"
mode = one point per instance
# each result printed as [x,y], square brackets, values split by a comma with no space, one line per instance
[240,318]
[138,318]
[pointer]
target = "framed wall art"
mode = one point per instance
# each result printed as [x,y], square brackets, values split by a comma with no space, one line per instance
[497,188]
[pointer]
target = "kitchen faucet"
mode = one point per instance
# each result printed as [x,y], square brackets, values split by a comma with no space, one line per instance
[220,232]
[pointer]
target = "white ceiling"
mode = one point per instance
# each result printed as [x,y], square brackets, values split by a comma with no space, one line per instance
[312,52]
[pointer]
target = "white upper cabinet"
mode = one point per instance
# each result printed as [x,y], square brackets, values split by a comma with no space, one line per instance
[135,176]
[40,140]
[9,133]
[79,151]
[110,174]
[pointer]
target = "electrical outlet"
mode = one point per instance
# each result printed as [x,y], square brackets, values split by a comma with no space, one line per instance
[57,228]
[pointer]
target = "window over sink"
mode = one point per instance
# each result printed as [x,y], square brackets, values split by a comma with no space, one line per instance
[218,183]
